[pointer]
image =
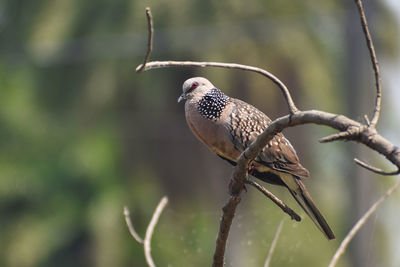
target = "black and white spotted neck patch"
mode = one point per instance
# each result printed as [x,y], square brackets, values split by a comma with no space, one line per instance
[212,104]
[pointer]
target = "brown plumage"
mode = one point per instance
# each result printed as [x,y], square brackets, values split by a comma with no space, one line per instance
[227,126]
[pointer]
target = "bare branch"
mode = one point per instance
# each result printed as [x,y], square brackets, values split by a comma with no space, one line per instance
[359,224]
[150,32]
[367,137]
[293,215]
[339,122]
[335,137]
[374,169]
[165,64]
[367,121]
[130,226]
[150,229]
[224,227]
[351,133]
[273,244]
[374,62]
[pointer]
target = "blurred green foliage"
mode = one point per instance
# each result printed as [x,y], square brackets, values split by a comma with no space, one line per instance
[82,135]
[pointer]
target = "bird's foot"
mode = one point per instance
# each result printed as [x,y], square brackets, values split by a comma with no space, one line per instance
[251,169]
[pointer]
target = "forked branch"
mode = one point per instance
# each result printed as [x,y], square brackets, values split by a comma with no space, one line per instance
[374,62]
[146,242]
[150,32]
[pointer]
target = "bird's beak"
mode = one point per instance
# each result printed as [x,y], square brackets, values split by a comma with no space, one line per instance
[182,97]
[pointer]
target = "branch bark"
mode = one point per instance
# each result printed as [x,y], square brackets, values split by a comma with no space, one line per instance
[228,211]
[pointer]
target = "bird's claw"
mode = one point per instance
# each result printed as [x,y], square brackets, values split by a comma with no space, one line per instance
[251,169]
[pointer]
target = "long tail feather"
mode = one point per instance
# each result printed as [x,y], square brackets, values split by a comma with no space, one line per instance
[300,193]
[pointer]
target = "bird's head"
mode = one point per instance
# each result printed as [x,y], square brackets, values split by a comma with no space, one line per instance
[195,87]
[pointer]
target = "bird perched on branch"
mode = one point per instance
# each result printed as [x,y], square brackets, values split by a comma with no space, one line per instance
[227,126]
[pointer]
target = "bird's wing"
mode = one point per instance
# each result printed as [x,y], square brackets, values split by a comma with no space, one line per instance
[247,122]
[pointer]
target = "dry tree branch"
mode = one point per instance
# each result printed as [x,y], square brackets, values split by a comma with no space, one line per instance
[359,224]
[374,169]
[374,62]
[273,244]
[228,211]
[150,32]
[293,215]
[132,231]
[239,177]
[166,64]
[370,139]
[150,230]
[349,129]
[230,207]
[339,122]
[366,136]
[378,100]
[146,242]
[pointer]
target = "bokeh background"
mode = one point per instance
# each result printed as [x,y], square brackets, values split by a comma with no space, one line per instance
[82,135]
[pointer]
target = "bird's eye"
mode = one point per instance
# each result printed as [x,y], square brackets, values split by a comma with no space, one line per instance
[194,85]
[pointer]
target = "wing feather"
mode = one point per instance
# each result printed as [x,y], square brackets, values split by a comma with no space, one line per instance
[247,122]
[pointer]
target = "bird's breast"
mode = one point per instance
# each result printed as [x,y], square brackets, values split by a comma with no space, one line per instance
[212,132]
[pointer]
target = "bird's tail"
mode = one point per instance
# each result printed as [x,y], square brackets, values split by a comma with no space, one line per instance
[300,193]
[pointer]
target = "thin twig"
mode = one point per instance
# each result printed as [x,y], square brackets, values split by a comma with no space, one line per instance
[224,227]
[367,121]
[374,62]
[164,64]
[150,32]
[149,231]
[335,137]
[352,132]
[293,215]
[128,221]
[359,224]
[273,244]
[374,169]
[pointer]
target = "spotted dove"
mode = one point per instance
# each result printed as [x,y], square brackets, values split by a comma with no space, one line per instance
[227,126]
